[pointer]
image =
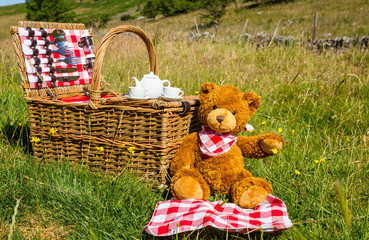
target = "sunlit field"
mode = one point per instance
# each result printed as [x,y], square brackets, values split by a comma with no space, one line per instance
[318,102]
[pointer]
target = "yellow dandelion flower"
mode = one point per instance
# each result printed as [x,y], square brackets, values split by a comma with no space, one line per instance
[53,130]
[275,151]
[322,160]
[292,131]
[197,92]
[321,87]
[259,96]
[131,150]
[328,104]
[297,172]
[101,149]
[141,152]
[316,161]
[264,122]
[147,61]
[20,124]
[256,80]
[359,180]
[108,84]
[341,74]
[347,139]
[303,146]
[280,129]
[282,102]
[35,139]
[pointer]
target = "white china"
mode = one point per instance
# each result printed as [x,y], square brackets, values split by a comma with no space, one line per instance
[152,83]
[138,92]
[172,92]
[169,99]
[135,98]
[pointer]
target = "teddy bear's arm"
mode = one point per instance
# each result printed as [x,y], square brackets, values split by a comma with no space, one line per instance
[260,146]
[185,156]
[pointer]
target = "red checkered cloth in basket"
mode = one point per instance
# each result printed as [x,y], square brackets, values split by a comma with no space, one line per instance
[73,37]
[176,216]
[213,144]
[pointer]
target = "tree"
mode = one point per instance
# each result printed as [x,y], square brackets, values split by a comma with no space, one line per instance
[215,10]
[167,8]
[151,9]
[49,11]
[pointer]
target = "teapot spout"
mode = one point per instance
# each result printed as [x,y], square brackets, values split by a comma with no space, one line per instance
[138,84]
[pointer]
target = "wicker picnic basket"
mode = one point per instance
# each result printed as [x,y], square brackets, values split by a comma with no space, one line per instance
[107,134]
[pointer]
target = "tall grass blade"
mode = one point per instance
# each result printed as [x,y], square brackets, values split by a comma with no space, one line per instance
[343,204]
[10,236]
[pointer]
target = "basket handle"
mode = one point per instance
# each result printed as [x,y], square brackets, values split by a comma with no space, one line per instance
[100,52]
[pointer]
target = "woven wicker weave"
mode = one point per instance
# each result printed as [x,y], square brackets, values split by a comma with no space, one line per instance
[109,134]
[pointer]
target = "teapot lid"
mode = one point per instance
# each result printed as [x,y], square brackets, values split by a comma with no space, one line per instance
[150,75]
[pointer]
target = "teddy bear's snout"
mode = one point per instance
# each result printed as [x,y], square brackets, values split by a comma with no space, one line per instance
[220,119]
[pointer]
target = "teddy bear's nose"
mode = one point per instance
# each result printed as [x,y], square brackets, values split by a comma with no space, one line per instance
[220,118]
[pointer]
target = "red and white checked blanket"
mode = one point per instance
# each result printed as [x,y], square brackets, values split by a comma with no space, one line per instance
[176,216]
[73,37]
[213,144]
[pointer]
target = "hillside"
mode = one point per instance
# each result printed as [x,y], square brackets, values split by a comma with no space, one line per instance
[335,17]
[10,15]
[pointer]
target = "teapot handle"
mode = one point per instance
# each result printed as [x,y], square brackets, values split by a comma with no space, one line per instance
[166,81]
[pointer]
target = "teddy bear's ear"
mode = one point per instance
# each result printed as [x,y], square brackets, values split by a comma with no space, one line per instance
[207,88]
[253,100]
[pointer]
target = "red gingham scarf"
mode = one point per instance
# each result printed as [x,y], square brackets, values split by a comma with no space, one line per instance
[176,216]
[214,144]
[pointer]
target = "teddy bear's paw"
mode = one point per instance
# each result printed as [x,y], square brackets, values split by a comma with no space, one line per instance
[249,192]
[187,187]
[271,146]
[252,197]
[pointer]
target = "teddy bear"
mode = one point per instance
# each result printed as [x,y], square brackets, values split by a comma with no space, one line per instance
[211,161]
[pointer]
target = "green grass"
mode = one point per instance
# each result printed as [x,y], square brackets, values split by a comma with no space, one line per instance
[77,203]
[113,7]
[84,9]
[320,101]
[12,10]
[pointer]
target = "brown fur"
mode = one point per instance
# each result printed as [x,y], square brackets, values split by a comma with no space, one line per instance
[195,175]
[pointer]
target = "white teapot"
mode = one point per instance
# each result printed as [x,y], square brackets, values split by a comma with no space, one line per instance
[152,83]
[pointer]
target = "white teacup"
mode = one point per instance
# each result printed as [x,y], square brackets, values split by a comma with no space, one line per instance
[172,92]
[138,92]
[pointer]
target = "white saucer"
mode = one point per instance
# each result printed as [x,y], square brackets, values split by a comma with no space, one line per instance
[135,98]
[170,98]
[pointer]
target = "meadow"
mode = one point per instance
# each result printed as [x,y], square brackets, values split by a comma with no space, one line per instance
[318,102]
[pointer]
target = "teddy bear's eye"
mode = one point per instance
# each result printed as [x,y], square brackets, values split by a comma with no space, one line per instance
[234,112]
[214,107]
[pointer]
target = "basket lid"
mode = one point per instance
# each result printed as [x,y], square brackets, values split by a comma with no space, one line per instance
[45,65]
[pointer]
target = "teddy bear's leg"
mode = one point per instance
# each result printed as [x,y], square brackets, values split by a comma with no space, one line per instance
[249,192]
[189,183]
